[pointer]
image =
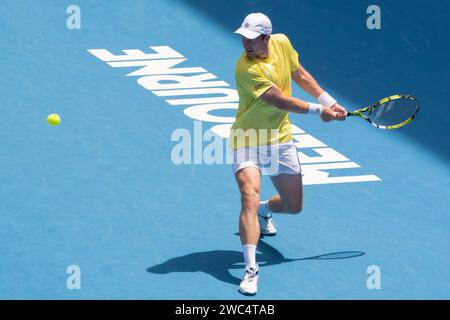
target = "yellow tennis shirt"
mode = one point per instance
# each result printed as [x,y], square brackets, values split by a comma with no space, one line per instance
[253,78]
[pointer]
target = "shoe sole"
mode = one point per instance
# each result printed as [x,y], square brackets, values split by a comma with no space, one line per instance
[248,294]
[269,234]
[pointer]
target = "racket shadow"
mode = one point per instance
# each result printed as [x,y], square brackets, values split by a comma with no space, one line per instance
[218,263]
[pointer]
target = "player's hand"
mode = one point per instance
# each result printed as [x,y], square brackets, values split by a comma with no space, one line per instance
[328,114]
[341,112]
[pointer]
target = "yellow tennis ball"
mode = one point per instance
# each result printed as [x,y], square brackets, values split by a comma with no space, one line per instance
[54,119]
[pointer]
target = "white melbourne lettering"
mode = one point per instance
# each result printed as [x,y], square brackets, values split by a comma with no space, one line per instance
[160,74]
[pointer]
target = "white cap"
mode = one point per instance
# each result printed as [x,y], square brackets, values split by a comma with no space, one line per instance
[254,25]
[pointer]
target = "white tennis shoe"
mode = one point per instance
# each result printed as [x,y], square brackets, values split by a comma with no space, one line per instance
[267,226]
[249,283]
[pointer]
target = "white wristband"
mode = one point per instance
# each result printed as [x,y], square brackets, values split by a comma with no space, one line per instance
[314,108]
[326,100]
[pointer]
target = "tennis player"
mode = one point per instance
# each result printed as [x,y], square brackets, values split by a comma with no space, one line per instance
[263,79]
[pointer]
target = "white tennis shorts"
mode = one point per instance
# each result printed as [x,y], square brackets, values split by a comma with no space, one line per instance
[271,160]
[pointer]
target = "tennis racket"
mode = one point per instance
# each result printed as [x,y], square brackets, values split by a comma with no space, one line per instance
[389,113]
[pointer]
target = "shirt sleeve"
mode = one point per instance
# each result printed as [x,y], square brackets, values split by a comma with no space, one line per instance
[254,82]
[292,55]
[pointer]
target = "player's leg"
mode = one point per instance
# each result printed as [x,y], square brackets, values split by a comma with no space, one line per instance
[290,194]
[288,182]
[249,181]
[288,200]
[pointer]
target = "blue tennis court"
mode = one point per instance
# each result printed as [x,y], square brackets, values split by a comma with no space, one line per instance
[100,207]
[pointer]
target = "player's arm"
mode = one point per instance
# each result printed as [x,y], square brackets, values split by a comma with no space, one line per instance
[307,82]
[275,97]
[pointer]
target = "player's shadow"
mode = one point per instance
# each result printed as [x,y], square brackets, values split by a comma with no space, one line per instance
[218,263]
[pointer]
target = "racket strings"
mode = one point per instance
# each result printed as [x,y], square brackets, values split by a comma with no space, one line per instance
[393,112]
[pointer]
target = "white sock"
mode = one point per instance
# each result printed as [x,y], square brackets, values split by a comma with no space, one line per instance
[263,209]
[249,255]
